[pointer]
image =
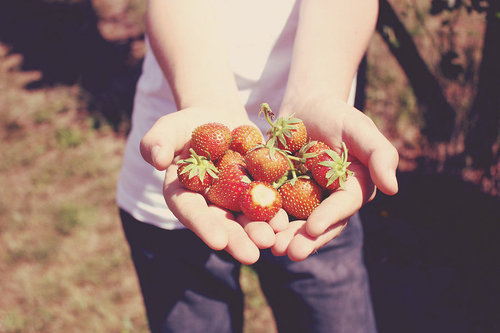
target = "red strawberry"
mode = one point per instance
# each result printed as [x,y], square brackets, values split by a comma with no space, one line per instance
[211,140]
[230,159]
[300,197]
[260,201]
[290,133]
[266,164]
[330,170]
[226,190]
[245,138]
[311,151]
[196,173]
[293,132]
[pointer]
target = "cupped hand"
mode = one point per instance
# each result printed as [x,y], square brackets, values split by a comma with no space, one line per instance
[373,160]
[167,142]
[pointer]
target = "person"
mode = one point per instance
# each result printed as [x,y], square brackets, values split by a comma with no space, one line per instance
[217,61]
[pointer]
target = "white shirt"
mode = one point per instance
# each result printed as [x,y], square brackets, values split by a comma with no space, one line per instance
[260,56]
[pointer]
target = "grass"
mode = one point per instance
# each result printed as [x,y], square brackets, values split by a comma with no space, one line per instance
[64,262]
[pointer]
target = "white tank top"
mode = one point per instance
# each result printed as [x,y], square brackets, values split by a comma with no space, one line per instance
[260,56]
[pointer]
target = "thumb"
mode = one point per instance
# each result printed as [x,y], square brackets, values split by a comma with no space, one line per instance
[374,150]
[382,165]
[167,136]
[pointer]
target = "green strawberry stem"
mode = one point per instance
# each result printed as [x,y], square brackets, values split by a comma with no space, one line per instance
[291,167]
[268,113]
[344,154]
[196,156]
[278,183]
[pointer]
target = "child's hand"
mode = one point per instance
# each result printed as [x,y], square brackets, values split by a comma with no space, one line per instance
[167,142]
[373,160]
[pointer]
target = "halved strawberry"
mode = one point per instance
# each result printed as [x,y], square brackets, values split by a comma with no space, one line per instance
[211,140]
[289,133]
[260,201]
[300,197]
[196,173]
[330,169]
[267,164]
[245,138]
[226,190]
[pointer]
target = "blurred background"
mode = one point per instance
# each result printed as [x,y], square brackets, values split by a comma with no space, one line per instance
[67,74]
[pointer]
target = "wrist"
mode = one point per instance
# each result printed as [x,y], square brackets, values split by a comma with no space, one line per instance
[220,105]
[296,101]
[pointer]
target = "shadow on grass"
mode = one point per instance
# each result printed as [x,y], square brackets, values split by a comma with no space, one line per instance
[432,254]
[61,39]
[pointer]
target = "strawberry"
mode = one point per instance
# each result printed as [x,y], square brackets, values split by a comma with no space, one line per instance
[245,138]
[226,190]
[196,173]
[211,140]
[266,163]
[290,133]
[230,159]
[311,151]
[330,170]
[300,197]
[260,201]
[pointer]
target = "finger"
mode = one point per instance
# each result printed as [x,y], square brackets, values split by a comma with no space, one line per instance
[280,221]
[192,210]
[167,136]
[342,204]
[303,245]
[373,149]
[383,164]
[259,232]
[284,237]
[215,226]
[239,245]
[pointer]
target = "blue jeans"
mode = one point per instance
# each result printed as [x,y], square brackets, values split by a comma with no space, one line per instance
[187,287]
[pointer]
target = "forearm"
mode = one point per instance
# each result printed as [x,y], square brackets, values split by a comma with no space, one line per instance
[332,37]
[187,42]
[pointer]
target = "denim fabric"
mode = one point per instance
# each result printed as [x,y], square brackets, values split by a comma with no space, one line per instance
[187,287]
[328,292]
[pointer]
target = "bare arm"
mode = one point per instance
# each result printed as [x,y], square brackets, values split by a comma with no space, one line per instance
[331,40]
[187,42]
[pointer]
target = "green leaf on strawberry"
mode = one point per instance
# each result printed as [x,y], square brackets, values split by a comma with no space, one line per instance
[196,173]
[286,132]
[331,169]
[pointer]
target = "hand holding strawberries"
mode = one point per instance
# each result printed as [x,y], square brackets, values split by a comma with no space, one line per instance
[167,143]
[227,175]
[258,179]
[372,160]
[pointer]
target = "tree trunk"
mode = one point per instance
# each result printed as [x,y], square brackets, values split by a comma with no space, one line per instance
[485,111]
[439,116]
